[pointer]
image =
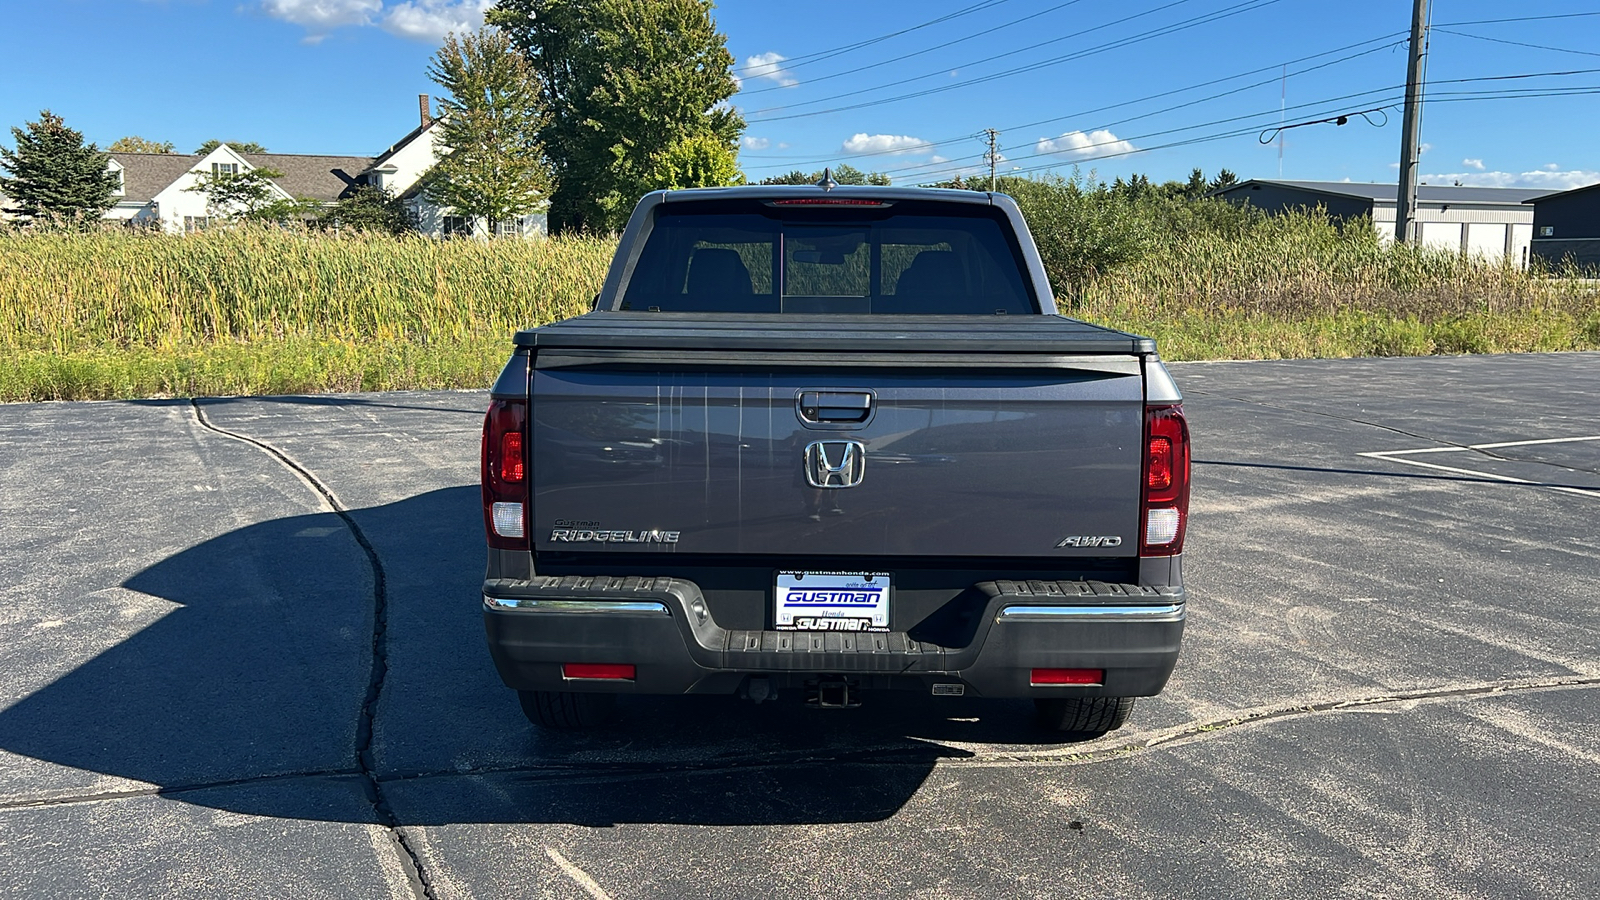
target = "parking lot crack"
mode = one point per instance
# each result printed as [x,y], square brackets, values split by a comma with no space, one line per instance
[169,789]
[379,670]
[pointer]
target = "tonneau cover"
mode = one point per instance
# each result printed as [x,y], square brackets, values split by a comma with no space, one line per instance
[1032,334]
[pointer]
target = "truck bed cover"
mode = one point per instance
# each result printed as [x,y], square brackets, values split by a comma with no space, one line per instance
[1046,334]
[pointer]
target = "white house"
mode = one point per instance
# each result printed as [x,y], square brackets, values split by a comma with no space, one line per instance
[155,187]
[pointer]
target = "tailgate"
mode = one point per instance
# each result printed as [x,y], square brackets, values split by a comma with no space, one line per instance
[837,458]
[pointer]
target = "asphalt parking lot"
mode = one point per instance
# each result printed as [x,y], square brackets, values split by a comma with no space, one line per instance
[241,654]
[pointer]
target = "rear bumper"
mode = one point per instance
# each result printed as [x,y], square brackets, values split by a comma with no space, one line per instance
[662,627]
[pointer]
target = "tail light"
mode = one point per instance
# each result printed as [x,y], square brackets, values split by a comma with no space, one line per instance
[505,475]
[1165,505]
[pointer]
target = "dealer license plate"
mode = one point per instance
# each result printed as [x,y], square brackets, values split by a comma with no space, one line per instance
[832,601]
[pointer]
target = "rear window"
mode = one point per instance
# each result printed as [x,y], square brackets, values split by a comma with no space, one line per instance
[755,258]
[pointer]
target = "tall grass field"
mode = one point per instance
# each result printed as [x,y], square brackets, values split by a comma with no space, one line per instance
[256,310]
[270,311]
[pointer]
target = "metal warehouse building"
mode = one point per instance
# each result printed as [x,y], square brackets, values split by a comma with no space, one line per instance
[1495,223]
[1566,226]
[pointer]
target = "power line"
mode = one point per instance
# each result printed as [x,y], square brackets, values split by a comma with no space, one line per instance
[1481,37]
[1207,18]
[1517,19]
[806,59]
[910,171]
[1156,96]
[1447,97]
[902,58]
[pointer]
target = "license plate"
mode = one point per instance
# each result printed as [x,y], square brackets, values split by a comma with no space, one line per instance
[832,601]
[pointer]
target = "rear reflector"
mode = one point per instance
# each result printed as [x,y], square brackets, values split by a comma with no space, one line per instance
[598,671]
[1087,677]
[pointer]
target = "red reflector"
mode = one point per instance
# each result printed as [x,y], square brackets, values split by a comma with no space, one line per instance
[511,456]
[826,201]
[1158,471]
[1068,676]
[606,671]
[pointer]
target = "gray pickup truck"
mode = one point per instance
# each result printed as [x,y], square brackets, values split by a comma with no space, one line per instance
[833,440]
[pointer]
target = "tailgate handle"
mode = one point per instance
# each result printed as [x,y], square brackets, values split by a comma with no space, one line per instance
[835,406]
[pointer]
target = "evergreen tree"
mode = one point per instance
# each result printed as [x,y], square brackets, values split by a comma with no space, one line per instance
[490,164]
[632,87]
[54,174]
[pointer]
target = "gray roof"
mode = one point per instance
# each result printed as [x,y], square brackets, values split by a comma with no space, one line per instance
[326,178]
[144,175]
[1386,193]
[1567,193]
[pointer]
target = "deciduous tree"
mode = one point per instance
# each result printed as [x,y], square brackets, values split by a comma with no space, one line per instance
[369,208]
[136,144]
[843,174]
[241,146]
[490,162]
[53,173]
[634,89]
[237,195]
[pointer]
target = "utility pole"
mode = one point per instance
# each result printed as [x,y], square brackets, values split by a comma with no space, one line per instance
[1405,212]
[992,157]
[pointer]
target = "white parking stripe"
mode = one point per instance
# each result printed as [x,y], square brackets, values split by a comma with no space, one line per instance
[1399,456]
[576,874]
[1570,440]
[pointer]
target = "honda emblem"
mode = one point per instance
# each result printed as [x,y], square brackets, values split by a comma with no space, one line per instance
[835,464]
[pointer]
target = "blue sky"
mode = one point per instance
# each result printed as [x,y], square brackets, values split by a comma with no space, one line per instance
[901,87]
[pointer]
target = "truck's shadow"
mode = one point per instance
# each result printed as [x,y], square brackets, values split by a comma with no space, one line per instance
[262,668]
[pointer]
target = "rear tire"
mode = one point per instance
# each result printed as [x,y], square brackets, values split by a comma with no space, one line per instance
[567,710]
[1086,716]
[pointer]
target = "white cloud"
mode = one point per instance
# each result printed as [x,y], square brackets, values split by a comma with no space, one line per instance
[431,20]
[768,65]
[936,158]
[1546,178]
[1077,144]
[756,143]
[892,144]
[427,20]
[1473,164]
[1550,167]
[1424,148]
[321,15]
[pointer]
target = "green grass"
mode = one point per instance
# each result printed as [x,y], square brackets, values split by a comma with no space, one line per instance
[113,314]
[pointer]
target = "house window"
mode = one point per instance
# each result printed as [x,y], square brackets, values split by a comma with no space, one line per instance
[457,226]
[508,228]
[117,188]
[224,168]
[191,224]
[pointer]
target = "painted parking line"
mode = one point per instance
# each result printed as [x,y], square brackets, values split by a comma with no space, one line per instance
[1403,457]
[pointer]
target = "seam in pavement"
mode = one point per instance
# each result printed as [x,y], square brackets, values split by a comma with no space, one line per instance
[1183,734]
[591,772]
[167,790]
[1394,430]
[411,860]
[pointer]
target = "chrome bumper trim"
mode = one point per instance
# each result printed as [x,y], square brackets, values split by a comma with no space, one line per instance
[1171,612]
[580,607]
